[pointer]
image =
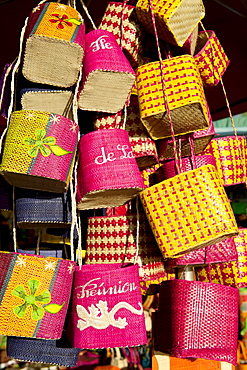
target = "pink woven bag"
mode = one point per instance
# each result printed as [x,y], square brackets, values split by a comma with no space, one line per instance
[107,74]
[106,308]
[197,320]
[108,175]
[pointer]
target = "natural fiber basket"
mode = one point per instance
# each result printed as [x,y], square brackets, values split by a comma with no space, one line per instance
[189,211]
[200,139]
[42,351]
[175,19]
[107,74]
[190,44]
[118,239]
[230,155]
[231,273]
[210,58]
[39,150]
[223,251]
[34,295]
[108,174]
[163,361]
[197,320]
[113,315]
[54,47]
[47,100]
[143,147]
[183,92]
[37,209]
[120,19]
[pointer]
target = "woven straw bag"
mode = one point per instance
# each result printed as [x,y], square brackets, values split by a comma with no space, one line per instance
[163,361]
[181,85]
[184,211]
[108,174]
[54,45]
[175,19]
[200,139]
[106,308]
[35,292]
[39,150]
[183,333]
[124,239]
[231,273]
[47,100]
[120,19]
[210,58]
[190,44]
[37,209]
[223,251]
[143,147]
[107,68]
[42,351]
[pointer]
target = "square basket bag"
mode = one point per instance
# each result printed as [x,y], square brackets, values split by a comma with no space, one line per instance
[197,320]
[230,155]
[39,150]
[175,19]
[184,94]
[210,58]
[34,295]
[189,211]
[106,308]
[231,273]
[121,20]
[54,45]
[107,74]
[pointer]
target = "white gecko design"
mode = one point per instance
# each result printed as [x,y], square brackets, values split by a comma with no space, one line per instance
[99,317]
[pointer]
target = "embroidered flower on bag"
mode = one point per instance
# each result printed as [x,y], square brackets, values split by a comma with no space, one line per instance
[34,300]
[46,145]
[64,20]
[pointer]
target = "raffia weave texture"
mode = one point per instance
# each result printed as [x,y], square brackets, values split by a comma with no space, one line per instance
[189,211]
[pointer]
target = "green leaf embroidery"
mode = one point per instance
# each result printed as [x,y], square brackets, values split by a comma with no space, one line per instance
[44,297]
[37,312]
[34,152]
[57,150]
[33,286]
[54,307]
[74,21]
[40,133]
[20,310]
[49,140]
[45,151]
[19,292]
[29,141]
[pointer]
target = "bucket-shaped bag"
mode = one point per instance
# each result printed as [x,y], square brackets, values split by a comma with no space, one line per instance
[197,320]
[37,209]
[183,211]
[34,295]
[106,308]
[124,239]
[39,150]
[108,174]
[232,272]
[107,74]
[143,147]
[121,20]
[47,100]
[54,45]
[230,155]
[57,352]
[210,58]
[184,93]
[175,20]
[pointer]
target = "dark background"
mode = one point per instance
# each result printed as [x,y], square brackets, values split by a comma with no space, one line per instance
[228,18]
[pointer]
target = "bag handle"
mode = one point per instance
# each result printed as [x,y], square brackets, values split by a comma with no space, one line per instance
[88,15]
[164,88]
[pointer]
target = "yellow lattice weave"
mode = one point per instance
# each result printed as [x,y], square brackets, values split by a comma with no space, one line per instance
[230,155]
[189,211]
[58,14]
[175,19]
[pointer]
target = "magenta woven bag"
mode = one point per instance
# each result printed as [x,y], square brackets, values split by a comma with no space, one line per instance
[168,169]
[106,308]
[197,320]
[108,174]
[107,74]
[223,251]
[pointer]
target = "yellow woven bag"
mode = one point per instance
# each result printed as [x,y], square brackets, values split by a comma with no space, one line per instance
[189,211]
[175,19]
